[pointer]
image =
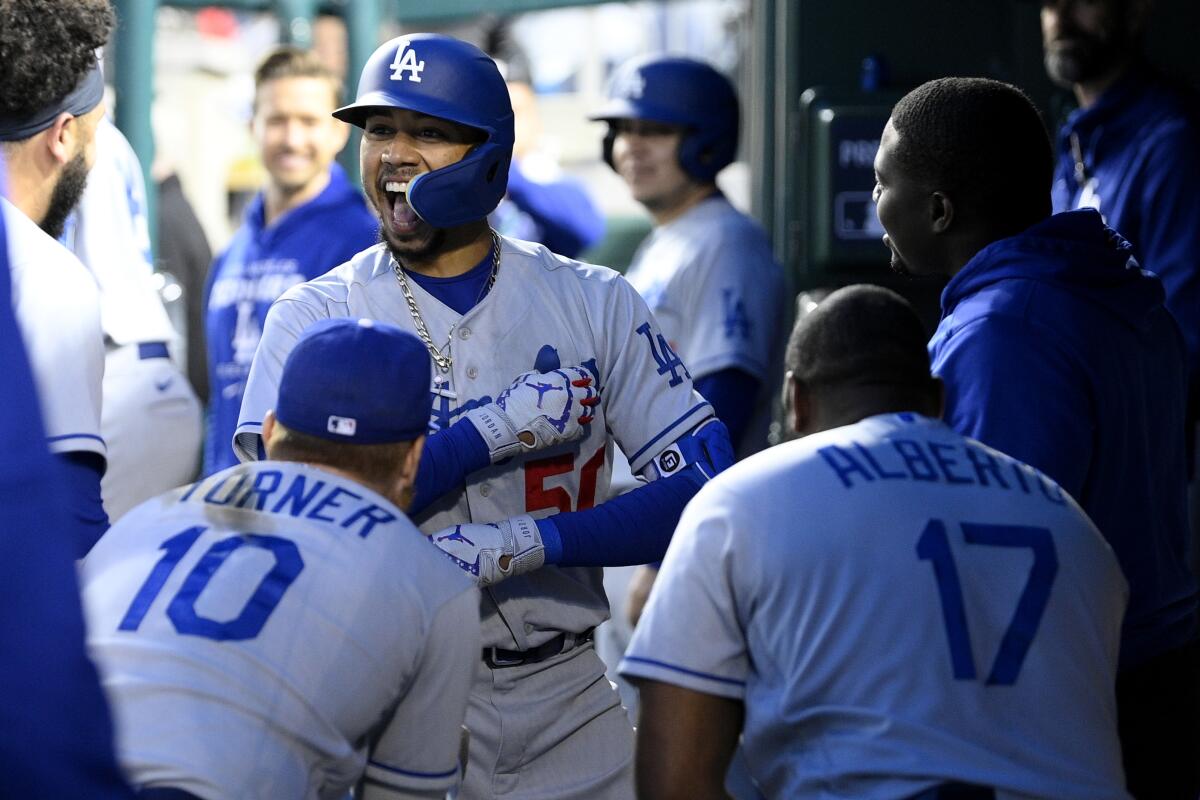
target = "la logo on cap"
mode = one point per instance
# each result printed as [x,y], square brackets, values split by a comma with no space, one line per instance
[406,61]
[342,426]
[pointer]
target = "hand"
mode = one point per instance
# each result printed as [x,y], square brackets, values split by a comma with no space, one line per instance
[494,551]
[638,593]
[539,410]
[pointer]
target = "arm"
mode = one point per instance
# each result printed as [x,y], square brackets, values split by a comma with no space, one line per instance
[733,393]
[82,472]
[402,765]
[633,528]
[1169,238]
[685,741]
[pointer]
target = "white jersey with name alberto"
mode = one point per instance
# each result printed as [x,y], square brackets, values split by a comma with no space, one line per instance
[58,311]
[544,311]
[713,284]
[896,606]
[274,631]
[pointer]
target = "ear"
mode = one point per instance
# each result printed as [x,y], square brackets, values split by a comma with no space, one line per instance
[61,136]
[341,133]
[801,405]
[268,431]
[941,212]
[405,477]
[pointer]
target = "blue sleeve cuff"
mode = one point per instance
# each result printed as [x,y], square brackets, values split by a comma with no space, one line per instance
[634,528]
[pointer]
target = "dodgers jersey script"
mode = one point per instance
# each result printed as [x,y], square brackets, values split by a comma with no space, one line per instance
[58,311]
[896,606]
[544,311]
[274,629]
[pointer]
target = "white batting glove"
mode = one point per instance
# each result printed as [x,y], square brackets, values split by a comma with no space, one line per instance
[493,551]
[539,410]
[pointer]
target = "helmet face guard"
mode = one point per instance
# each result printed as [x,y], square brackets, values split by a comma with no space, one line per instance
[450,79]
[677,91]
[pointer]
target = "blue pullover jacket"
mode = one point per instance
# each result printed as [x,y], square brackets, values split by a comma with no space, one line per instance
[261,262]
[1138,151]
[1057,349]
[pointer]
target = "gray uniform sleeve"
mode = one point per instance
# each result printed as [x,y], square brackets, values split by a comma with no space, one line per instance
[649,400]
[733,300]
[417,754]
[286,320]
[691,633]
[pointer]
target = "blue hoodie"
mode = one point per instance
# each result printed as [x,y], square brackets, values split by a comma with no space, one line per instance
[1056,348]
[1140,149]
[261,263]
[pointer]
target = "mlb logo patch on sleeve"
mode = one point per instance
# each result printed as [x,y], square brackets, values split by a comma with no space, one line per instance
[342,426]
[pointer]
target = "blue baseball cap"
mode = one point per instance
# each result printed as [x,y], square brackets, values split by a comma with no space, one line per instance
[358,381]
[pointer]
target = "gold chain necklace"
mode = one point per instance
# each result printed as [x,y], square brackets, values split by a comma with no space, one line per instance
[441,358]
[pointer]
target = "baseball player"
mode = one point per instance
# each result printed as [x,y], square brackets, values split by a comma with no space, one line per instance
[150,417]
[884,608]
[305,221]
[51,100]
[706,270]
[42,660]
[237,622]
[437,139]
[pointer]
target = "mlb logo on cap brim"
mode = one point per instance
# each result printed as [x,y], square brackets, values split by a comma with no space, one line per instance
[342,426]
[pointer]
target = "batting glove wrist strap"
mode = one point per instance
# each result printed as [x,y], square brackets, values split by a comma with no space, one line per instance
[494,551]
[539,410]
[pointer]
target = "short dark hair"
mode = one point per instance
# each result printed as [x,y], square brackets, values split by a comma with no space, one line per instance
[46,49]
[861,336]
[293,62]
[981,141]
[374,464]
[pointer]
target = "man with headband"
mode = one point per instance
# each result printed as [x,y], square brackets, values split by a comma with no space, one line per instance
[51,100]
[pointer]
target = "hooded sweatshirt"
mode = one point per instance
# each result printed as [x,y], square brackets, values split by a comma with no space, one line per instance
[261,262]
[1139,149]
[1056,348]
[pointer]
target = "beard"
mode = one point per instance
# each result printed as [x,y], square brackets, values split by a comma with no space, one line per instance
[425,250]
[65,196]
[1083,57]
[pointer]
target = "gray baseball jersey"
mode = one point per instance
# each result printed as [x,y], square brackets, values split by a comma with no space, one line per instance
[896,606]
[275,631]
[151,420]
[713,284]
[58,311]
[544,310]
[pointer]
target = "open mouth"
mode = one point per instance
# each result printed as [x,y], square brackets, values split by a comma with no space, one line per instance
[400,214]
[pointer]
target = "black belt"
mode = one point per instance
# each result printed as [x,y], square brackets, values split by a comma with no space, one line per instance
[497,658]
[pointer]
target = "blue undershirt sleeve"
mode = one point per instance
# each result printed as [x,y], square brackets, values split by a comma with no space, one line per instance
[732,393]
[449,456]
[82,473]
[634,528]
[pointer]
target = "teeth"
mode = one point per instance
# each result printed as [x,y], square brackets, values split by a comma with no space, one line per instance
[396,186]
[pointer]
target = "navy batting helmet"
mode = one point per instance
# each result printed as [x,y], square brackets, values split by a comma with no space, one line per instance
[448,78]
[677,91]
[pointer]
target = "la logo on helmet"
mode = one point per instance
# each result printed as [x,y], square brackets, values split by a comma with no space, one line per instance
[406,61]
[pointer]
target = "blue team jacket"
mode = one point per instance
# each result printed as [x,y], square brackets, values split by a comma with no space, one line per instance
[1140,147]
[260,263]
[1058,350]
